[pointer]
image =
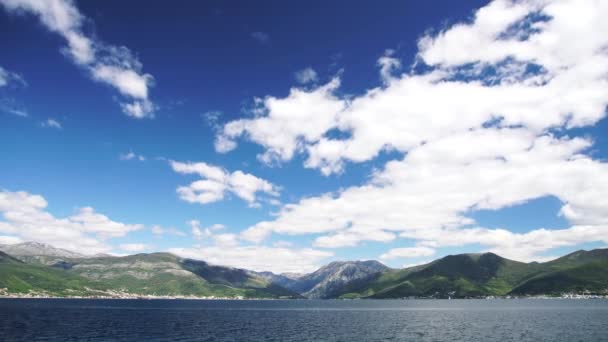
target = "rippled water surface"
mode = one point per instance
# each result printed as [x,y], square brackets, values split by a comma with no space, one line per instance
[302,320]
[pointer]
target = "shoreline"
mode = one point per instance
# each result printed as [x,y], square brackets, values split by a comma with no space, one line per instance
[154,297]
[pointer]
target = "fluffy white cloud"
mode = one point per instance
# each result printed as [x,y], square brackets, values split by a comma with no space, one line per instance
[475,128]
[220,248]
[426,195]
[9,240]
[408,252]
[306,75]
[216,182]
[112,65]
[258,258]
[302,117]
[86,231]
[530,246]
[158,230]
[508,65]
[134,247]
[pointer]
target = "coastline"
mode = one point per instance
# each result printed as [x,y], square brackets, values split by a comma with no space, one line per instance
[211,298]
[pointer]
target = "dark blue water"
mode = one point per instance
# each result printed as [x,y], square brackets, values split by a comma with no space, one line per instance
[364,320]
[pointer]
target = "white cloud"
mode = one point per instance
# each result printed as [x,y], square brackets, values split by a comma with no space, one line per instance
[289,123]
[306,75]
[227,240]
[112,65]
[86,231]
[9,240]
[388,64]
[134,247]
[474,128]
[210,234]
[158,230]
[7,77]
[479,72]
[407,252]
[425,196]
[216,182]
[530,246]
[226,249]
[198,232]
[9,105]
[52,123]
[282,243]
[258,258]
[132,156]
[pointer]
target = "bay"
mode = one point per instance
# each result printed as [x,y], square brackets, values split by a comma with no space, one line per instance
[303,320]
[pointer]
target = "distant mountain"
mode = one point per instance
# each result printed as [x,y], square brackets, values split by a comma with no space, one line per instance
[286,280]
[478,275]
[42,269]
[329,279]
[141,274]
[580,272]
[38,249]
[17,276]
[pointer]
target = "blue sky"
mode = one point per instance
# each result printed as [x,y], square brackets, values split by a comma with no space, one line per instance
[280,136]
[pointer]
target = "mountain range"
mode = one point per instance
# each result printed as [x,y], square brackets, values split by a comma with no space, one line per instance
[39,269]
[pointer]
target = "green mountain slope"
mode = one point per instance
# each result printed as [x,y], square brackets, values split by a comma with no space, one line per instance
[466,275]
[160,274]
[163,274]
[578,272]
[478,275]
[19,277]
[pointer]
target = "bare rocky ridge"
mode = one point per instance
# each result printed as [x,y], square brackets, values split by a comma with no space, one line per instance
[329,279]
[38,249]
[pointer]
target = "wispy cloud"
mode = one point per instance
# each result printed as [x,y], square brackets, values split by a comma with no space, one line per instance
[8,78]
[10,106]
[115,66]
[261,37]
[51,123]
[307,75]
[132,156]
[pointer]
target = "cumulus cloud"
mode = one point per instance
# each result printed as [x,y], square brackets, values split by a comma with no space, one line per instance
[476,127]
[158,230]
[306,75]
[219,247]
[258,258]
[407,252]
[506,64]
[288,124]
[216,182]
[427,195]
[9,240]
[134,247]
[112,65]
[86,231]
